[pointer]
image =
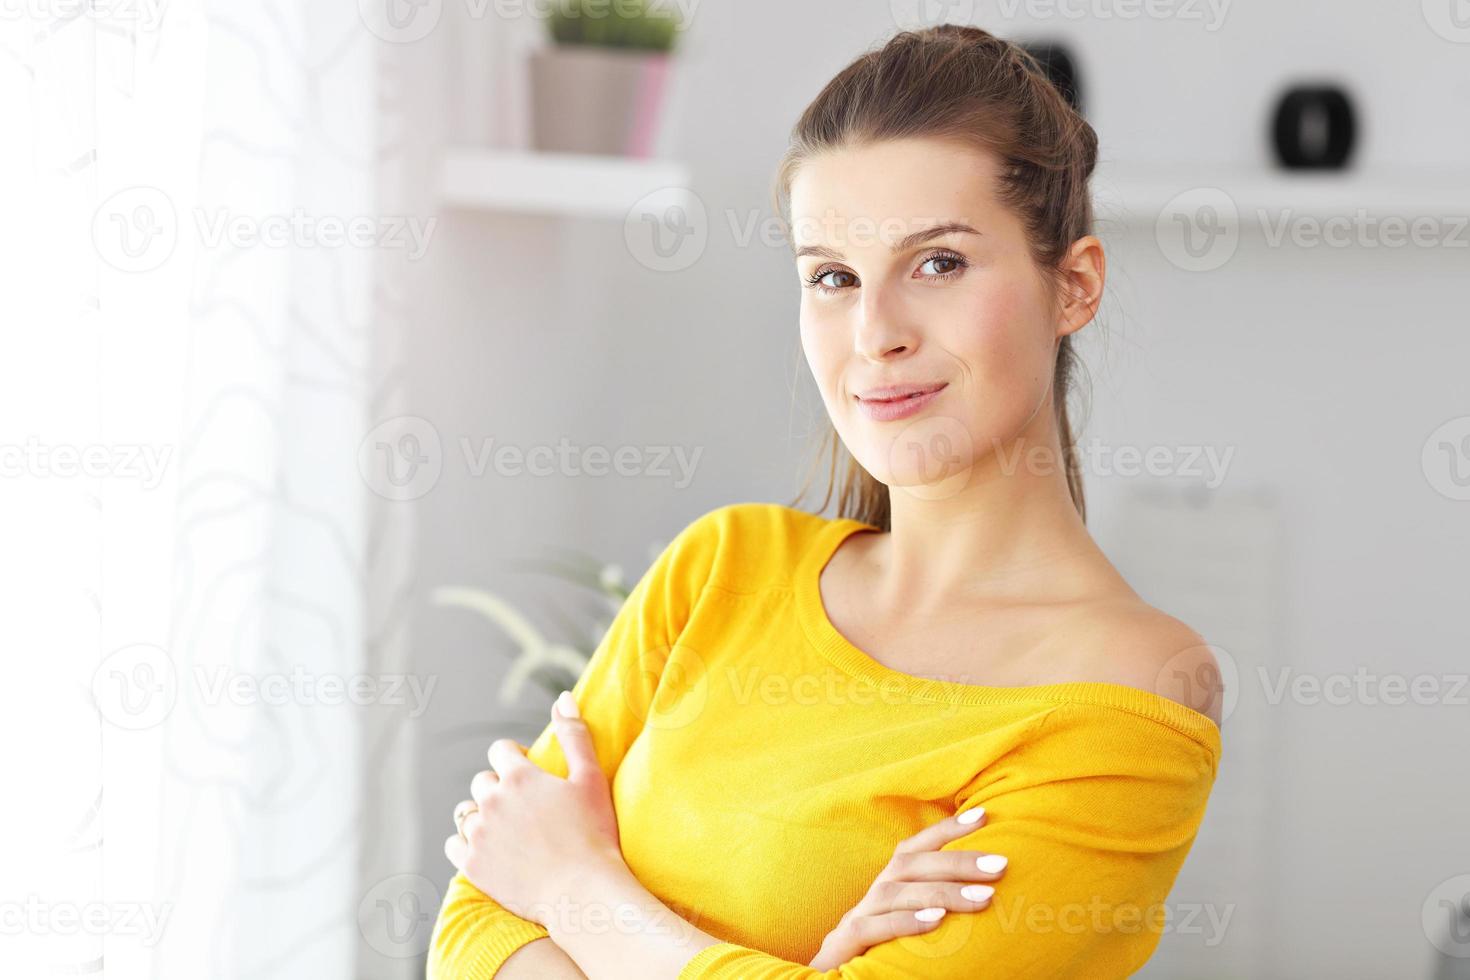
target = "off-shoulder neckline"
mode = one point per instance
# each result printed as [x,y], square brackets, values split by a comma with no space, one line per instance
[842,653]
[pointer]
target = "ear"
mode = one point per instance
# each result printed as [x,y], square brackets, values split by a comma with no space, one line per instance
[1084,272]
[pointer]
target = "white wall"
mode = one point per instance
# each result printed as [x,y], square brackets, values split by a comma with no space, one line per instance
[1325,370]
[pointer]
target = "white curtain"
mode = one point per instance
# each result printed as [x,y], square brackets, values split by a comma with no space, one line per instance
[205,729]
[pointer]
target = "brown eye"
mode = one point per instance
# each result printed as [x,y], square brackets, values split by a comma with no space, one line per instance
[832,280]
[949,262]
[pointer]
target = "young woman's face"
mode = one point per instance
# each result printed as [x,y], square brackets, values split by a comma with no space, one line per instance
[887,302]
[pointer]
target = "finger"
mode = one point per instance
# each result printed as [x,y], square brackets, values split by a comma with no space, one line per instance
[462,808]
[471,824]
[870,930]
[575,738]
[485,780]
[507,755]
[910,896]
[456,850]
[934,836]
[948,866]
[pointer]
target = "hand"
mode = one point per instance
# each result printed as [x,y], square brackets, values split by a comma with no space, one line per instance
[531,834]
[922,878]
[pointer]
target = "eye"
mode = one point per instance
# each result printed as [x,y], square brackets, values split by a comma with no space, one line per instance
[951,265]
[819,280]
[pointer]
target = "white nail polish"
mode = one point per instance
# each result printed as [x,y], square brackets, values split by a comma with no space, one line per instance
[991,863]
[566,704]
[929,915]
[971,815]
[977,893]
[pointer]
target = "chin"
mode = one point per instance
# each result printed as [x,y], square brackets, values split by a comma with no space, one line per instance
[927,450]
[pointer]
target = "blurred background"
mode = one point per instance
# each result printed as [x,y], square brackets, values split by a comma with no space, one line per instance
[359,357]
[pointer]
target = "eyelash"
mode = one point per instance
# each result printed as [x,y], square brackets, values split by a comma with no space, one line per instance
[814,281]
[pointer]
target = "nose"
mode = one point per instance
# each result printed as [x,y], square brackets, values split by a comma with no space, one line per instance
[884,328]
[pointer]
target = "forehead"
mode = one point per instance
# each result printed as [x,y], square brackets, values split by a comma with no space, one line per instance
[892,188]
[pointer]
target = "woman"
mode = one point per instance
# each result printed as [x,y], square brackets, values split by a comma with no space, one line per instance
[938,736]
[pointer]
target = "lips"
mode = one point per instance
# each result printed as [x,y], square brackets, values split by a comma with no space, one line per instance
[899,401]
[897,393]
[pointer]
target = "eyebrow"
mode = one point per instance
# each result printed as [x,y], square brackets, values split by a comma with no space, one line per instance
[908,242]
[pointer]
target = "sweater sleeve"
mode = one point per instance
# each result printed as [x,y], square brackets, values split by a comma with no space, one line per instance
[473,934]
[1095,809]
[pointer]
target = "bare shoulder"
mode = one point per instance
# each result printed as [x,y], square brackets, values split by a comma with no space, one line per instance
[1127,641]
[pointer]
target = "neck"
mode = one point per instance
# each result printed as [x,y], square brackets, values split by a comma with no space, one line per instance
[1005,532]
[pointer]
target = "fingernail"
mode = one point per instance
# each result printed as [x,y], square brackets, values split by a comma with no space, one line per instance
[972,814]
[567,705]
[991,863]
[929,915]
[977,893]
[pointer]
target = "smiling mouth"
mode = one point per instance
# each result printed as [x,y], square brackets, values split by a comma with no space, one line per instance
[899,407]
[895,399]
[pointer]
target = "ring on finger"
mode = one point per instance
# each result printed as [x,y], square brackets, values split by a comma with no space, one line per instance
[464,809]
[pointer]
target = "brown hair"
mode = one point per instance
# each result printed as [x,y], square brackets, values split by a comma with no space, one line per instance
[962,83]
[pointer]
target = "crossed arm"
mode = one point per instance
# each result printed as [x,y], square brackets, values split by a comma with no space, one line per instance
[540,959]
[915,889]
[1095,833]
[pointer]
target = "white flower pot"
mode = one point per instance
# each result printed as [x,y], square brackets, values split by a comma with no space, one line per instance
[587,99]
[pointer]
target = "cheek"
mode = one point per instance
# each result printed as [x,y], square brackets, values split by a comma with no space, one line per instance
[823,343]
[1001,340]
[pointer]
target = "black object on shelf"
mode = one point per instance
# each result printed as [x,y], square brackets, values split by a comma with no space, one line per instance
[1061,69]
[1315,128]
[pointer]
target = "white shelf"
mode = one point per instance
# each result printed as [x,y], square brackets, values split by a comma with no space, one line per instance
[611,187]
[556,183]
[1139,195]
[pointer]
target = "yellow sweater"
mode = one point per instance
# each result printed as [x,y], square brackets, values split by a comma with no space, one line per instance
[763,769]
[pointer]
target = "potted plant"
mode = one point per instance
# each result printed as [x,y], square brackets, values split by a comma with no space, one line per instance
[550,664]
[599,86]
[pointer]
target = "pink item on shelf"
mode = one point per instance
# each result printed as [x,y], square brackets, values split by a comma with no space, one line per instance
[652,80]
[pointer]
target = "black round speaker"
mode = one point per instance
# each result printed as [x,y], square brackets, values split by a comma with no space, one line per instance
[1061,68]
[1315,128]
